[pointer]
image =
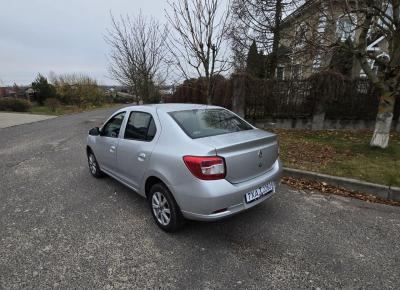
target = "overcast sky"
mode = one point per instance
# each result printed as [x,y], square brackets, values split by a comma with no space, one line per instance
[63,36]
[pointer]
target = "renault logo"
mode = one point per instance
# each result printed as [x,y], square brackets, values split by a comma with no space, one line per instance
[260,154]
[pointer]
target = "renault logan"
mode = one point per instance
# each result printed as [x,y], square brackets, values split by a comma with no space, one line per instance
[190,161]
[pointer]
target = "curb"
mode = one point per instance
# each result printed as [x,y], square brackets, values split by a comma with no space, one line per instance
[382,191]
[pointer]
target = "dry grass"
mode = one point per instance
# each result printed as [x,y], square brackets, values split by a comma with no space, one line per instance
[326,189]
[341,153]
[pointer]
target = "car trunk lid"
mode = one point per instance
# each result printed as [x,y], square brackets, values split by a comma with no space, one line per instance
[247,154]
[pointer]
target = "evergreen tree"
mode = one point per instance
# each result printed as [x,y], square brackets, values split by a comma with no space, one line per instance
[255,62]
[43,90]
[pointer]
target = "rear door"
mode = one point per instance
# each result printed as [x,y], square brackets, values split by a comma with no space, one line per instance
[136,146]
[107,143]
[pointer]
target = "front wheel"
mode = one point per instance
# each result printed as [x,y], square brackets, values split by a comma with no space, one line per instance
[164,209]
[94,167]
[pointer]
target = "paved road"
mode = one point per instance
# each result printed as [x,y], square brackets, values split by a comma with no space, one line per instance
[13,119]
[61,228]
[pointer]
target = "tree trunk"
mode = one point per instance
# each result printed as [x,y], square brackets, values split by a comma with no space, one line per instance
[384,119]
[276,39]
[209,90]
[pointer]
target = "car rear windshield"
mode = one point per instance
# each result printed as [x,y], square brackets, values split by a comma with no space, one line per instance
[201,123]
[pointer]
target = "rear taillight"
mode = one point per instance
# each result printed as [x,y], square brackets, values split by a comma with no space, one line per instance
[206,168]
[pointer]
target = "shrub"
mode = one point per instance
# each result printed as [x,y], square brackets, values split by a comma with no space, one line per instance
[327,84]
[326,87]
[77,89]
[52,103]
[195,91]
[16,105]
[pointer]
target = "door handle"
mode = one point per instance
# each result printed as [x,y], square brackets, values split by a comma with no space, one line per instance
[141,157]
[112,149]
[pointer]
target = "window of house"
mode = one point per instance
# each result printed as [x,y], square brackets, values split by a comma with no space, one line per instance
[140,126]
[296,71]
[317,63]
[280,73]
[345,27]
[301,35]
[388,7]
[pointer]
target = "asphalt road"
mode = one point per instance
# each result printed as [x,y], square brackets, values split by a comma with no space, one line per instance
[61,228]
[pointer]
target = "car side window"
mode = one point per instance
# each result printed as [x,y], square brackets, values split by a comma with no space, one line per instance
[113,126]
[140,127]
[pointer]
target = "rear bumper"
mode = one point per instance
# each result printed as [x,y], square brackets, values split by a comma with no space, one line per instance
[199,200]
[235,209]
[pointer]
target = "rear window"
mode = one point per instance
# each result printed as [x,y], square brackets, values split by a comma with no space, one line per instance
[201,123]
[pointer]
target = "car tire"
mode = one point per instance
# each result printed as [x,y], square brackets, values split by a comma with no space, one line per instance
[94,167]
[164,209]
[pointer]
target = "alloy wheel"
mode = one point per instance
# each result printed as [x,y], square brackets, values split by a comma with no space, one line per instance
[161,208]
[92,164]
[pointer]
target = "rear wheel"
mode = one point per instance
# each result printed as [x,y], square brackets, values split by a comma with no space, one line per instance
[94,167]
[164,209]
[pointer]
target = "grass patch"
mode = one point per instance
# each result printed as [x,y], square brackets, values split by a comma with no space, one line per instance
[341,153]
[63,110]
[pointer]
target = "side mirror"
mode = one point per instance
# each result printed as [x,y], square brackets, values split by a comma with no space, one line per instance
[94,132]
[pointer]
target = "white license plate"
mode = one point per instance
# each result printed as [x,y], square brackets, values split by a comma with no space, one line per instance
[259,192]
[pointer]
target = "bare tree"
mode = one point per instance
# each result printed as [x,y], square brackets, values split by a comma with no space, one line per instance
[259,20]
[138,54]
[378,19]
[198,43]
[240,43]
[366,21]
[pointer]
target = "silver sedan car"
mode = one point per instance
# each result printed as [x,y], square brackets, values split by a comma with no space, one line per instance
[190,161]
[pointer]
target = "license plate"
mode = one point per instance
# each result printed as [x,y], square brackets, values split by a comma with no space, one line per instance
[259,192]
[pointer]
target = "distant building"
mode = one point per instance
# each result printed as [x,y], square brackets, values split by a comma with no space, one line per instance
[166,92]
[2,92]
[17,92]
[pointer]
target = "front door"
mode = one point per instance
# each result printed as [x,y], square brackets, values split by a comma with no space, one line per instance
[136,147]
[107,143]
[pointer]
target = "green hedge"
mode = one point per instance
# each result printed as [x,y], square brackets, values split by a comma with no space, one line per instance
[15,105]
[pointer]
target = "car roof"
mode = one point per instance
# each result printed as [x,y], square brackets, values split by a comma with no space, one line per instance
[171,107]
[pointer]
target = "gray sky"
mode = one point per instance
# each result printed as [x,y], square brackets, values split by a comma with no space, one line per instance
[63,36]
